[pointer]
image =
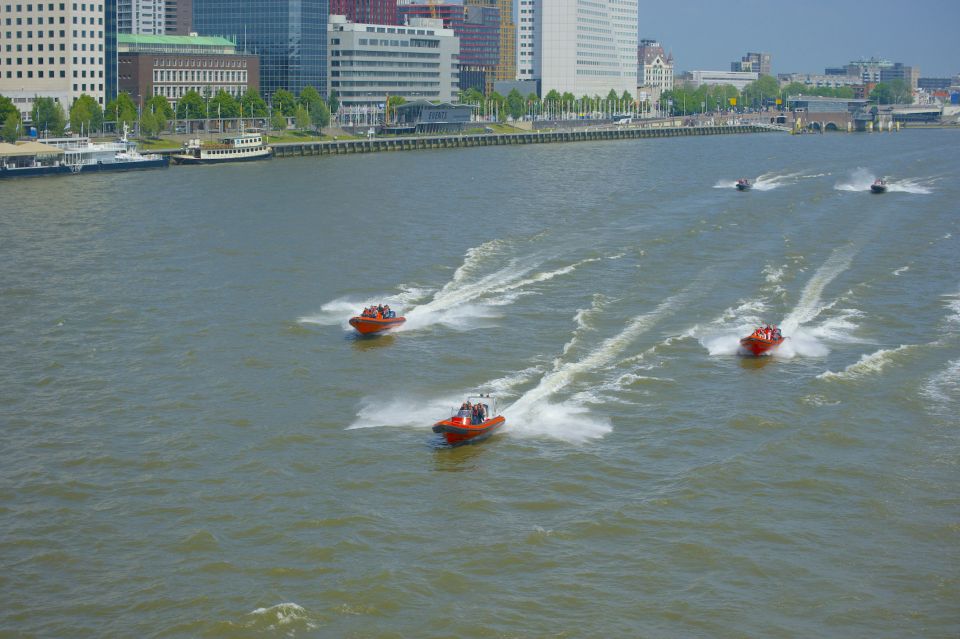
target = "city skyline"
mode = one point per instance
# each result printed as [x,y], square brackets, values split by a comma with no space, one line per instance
[807,39]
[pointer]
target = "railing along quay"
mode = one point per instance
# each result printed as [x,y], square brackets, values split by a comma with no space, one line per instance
[375,145]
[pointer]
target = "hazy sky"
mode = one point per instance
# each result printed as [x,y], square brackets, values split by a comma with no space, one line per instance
[808,35]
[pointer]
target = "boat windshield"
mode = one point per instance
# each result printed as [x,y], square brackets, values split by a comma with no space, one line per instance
[463,413]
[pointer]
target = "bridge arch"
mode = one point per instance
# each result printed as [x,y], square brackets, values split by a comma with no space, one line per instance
[832,126]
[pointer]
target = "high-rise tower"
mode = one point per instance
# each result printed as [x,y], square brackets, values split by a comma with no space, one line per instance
[290,36]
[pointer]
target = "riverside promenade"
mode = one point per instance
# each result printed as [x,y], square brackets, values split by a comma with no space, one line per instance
[416,143]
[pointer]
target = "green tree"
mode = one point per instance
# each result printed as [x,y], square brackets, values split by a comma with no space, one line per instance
[333,102]
[121,110]
[844,92]
[253,105]
[48,116]
[316,107]
[285,102]
[568,98]
[515,104]
[85,114]
[149,124]
[760,91]
[162,112]
[278,121]
[396,100]
[6,108]
[553,96]
[612,96]
[161,106]
[497,104]
[302,118]
[11,127]
[471,96]
[224,105]
[191,106]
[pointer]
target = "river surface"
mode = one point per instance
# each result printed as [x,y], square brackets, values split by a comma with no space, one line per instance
[196,445]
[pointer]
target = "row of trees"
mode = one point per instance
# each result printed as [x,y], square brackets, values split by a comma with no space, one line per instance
[515,105]
[48,116]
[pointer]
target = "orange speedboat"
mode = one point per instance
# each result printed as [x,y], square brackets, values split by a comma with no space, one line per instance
[758,343]
[376,320]
[467,425]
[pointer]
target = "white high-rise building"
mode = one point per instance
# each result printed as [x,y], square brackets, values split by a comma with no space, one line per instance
[141,17]
[585,47]
[57,50]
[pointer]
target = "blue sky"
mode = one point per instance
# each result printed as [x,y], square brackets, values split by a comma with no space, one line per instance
[808,35]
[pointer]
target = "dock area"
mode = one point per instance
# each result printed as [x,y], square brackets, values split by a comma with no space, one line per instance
[415,143]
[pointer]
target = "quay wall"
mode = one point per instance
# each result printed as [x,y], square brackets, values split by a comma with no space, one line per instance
[375,145]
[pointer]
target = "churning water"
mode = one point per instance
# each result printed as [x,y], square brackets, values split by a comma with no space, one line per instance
[195,444]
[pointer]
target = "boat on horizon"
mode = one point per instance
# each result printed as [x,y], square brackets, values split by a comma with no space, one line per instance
[244,147]
[743,184]
[464,426]
[879,186]
[376,319]
[758,343]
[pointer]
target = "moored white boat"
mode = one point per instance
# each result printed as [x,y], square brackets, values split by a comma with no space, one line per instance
[243,147]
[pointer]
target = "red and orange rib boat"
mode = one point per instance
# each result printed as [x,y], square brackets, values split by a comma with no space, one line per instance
[370,325]
[757,344]
[462,428]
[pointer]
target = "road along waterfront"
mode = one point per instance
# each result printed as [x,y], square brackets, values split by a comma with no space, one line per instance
[195,444]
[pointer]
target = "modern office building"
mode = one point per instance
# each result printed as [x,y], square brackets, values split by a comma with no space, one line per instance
[526,29]
[739,79]
[867,70]
[59,50]
[900,71]
[290,36]
[585,48]
[507,64]
[936,84]
[173,65]
[141,16]
[753,63]
[369,62]
[819,80]
[477,27]
[178,16]
[366,11]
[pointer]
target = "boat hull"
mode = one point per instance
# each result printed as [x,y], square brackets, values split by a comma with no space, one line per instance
[371,325]
[189,159]
[743,187]
[758,345]
[878,189]
[456,432]
[133,165]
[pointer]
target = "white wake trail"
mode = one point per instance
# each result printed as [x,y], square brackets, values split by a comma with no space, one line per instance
[810,304]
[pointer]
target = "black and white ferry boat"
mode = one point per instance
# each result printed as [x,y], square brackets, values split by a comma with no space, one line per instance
[243,147]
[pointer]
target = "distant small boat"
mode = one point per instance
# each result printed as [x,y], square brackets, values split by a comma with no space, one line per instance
[743,184]
[879,186]
[464,427]
[758,344]
[369,324]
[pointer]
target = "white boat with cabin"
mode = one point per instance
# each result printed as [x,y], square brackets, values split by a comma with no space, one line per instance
[243,147]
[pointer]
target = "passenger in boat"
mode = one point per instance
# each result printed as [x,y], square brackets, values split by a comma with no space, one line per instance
[380,311]
[481,413]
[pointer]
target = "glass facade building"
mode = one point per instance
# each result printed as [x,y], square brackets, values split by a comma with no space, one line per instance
[290,36]
[110,49]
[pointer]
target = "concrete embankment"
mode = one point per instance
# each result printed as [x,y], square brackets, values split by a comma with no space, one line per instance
[374,145]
